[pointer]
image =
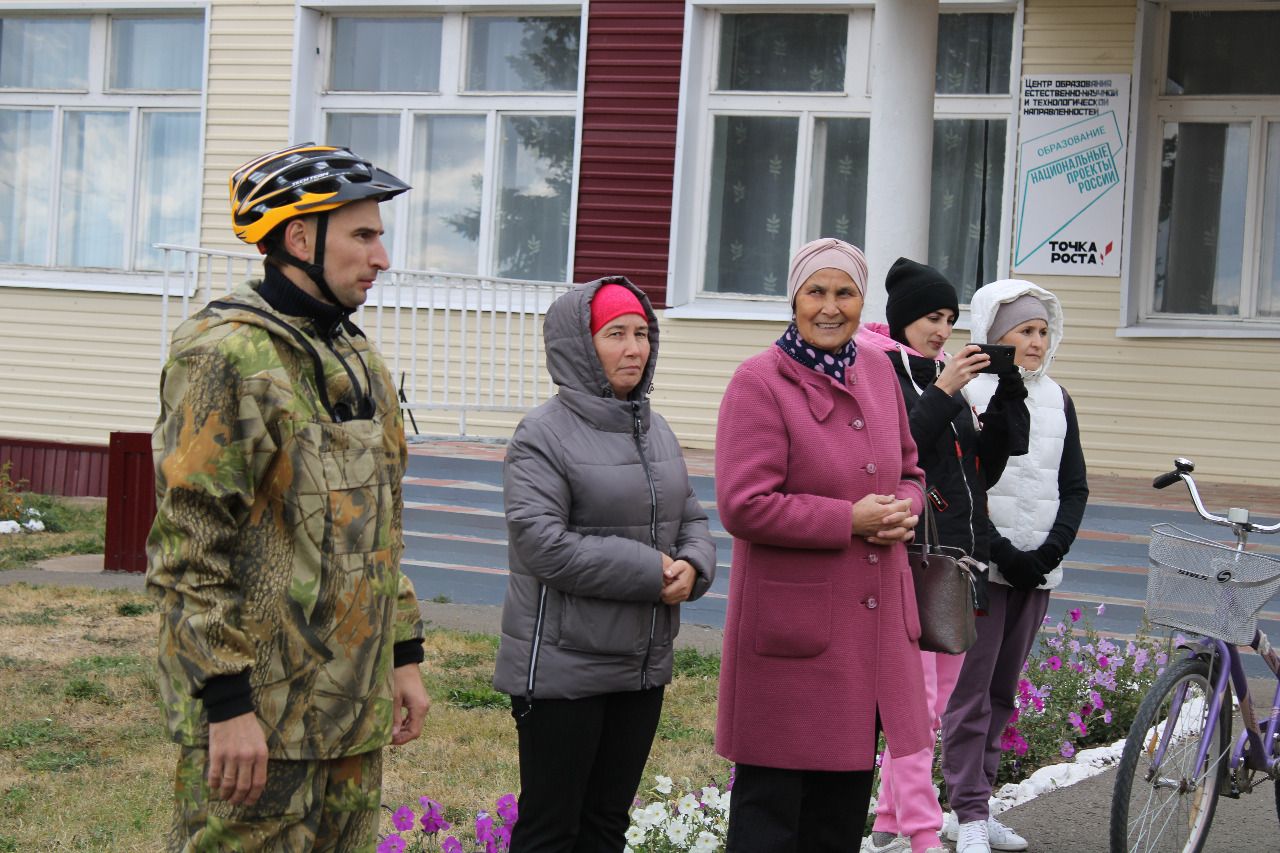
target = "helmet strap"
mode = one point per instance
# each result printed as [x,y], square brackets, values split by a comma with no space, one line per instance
[314,268]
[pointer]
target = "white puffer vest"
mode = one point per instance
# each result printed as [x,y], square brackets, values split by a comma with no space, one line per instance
[1024,503]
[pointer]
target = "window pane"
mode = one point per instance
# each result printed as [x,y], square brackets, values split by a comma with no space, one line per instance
[522,54]
[169,187]
[157,53]
[975,53]
[375,138]
[838,186]
[44,53]
[26,164]
[95,181]
[1200,227]
[448,176]
[1269,280]
[753,171]
[385,55]
[964,208]
[535,176]
[783,53]
[1224,53]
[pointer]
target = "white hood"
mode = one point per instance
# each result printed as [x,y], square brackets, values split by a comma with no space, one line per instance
[987,301]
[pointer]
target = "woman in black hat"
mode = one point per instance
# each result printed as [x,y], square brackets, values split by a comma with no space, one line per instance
[962,456]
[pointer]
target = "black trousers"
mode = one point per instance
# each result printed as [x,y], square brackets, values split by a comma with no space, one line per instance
[797,811]
[580,764]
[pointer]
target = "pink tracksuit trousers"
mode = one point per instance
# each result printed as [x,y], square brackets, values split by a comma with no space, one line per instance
[907,804]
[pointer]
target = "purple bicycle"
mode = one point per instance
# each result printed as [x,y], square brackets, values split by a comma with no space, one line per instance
[1179,756]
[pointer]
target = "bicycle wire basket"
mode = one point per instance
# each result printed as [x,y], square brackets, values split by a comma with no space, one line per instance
[1206,587]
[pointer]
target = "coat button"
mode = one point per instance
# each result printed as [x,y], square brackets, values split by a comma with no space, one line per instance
[873,558]
[871,467]
[857,423]
[872,604]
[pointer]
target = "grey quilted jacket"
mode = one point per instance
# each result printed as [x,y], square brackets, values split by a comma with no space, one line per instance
[594,488]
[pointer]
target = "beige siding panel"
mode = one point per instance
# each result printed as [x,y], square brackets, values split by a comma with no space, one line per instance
[1088,36]
[77,366]
[250,83]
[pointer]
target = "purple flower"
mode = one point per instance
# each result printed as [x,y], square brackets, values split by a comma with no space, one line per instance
[1076,721]
[403,818]
[1161,659]
[484,827]
[1075,614]
[393,843]
[1067,749]
[1106,716]
[1075,646]
[1103,662]
[1102,608]
[503,835]
[1096,699]
[432,820]
[1055,663]
[1140,658]
[452,845]
[733,772]
[508,808]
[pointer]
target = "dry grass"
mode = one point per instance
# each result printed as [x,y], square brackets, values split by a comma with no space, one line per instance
[86,765]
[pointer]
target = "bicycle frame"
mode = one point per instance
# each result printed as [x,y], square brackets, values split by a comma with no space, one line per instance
[1260,756]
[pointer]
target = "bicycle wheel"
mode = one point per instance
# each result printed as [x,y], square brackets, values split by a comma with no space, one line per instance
[1162,809]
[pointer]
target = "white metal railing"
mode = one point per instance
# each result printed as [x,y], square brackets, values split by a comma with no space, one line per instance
[458,343]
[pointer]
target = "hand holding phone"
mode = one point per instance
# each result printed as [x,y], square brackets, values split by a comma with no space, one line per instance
[1001,356]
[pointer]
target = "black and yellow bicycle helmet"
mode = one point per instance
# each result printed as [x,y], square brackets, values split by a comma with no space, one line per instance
[300,180]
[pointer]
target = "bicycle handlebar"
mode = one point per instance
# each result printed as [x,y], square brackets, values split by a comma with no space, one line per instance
[1182,471]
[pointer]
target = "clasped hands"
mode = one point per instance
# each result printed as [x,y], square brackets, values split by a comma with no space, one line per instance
[677,579]
[884,519]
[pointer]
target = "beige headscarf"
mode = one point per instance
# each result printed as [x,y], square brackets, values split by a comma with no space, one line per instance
[823,253]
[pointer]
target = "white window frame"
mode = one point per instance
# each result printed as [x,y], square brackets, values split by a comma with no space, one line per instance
[1137,317]
[700,104]
[99,97]
[309,119]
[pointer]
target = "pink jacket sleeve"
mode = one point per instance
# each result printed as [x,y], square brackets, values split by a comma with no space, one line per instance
[752,452]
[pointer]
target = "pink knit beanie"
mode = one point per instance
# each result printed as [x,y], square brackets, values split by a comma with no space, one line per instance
[823,253]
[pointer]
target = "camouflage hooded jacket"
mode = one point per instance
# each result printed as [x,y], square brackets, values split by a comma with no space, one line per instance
[277,540]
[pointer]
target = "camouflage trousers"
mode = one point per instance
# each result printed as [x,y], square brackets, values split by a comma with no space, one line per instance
[328,805]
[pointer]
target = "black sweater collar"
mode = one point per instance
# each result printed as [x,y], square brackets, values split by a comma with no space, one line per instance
[287,298]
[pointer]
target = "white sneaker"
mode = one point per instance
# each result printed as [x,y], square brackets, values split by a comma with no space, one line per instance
[972,837]
[1002,837]
[896,844]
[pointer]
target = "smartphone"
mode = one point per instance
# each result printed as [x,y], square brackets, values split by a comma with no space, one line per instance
[1001,357]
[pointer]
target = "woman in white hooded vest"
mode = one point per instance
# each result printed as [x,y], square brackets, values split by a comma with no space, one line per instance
[1035,511]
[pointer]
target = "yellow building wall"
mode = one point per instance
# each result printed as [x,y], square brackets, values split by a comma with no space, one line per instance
[250,89]
[76,366]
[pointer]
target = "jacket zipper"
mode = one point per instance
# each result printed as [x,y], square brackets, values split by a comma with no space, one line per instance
[537,644]
[653,537]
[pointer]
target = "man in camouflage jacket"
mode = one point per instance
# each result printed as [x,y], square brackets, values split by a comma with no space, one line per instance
[290,639]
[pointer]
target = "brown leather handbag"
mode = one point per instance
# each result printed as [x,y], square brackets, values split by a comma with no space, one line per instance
[946,593]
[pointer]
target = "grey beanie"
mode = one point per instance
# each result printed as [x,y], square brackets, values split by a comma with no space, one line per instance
[1010,315]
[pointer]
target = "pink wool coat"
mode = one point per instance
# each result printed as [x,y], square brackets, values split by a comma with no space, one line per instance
[822,629]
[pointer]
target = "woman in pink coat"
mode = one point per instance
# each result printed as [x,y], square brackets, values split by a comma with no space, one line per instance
[816,478]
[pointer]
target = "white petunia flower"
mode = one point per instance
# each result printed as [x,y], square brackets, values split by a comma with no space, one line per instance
[687,805]
[706,843]
[711,796]
[634,834]
[654,814]
[723,805]
[664,784]
[678,832]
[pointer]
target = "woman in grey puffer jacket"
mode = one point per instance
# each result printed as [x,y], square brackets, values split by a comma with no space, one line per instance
[606,539]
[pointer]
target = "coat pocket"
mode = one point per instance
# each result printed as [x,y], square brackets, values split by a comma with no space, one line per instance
[793,620]
[603,626]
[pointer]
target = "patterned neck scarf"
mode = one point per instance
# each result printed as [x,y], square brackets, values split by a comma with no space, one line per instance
[833,364]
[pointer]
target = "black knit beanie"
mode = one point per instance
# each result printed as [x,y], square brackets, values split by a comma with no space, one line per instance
[915,290]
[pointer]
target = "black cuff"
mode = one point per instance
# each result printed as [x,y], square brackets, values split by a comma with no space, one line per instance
[227,696]
[406,652]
